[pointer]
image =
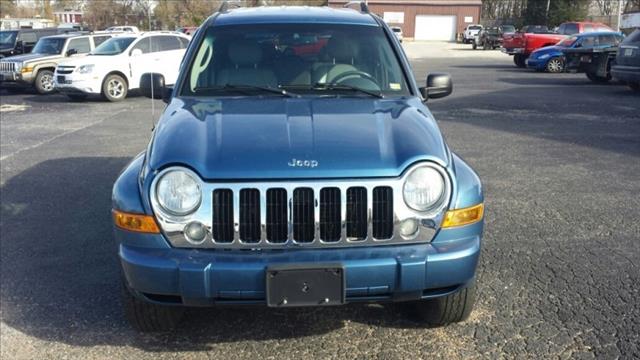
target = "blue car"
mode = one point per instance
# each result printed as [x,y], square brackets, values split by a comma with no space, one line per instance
[551,59]
[296,165]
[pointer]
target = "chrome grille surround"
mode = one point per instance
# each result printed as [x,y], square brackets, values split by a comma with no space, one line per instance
[64,69]
[429,223]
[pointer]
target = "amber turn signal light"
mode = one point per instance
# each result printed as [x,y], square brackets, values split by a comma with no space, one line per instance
[135,222]
[466,216]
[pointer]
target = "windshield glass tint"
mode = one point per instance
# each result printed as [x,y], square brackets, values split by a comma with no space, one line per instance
[567,42]
[475,27]
[49,46]
[8,38]
[296,56]
[508,28]
[113,46]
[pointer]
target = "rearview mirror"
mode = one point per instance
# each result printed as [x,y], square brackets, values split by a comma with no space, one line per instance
[152,86]
[438,86]
[71,52]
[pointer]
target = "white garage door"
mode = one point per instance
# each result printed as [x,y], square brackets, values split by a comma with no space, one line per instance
[435,27]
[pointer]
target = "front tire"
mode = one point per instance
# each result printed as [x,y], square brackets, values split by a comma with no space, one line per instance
[114,88]
[44,82]
[520,60]
[447,309]
[474,45]
[555,65]
[147,317]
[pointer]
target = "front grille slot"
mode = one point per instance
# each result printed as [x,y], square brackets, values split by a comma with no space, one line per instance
[357,213]
[303,215]
[277,223]
[250,215]
[382,221]
[222,226]
[330,216]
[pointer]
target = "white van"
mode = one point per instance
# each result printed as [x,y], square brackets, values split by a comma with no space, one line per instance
[115,67]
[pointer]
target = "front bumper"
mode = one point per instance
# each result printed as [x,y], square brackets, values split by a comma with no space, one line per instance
[13,78]
[378,273]
[626,73]
[537,63]
[77,84]
[512,51]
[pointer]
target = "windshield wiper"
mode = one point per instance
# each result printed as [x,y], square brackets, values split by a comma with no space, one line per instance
[247,89]
[340,87]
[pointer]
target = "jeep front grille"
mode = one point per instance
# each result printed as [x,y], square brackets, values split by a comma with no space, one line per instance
[301,208]
[7,66]
[301,213]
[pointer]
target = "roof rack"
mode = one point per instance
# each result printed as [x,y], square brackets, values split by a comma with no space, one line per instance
[363,5]
[224,7]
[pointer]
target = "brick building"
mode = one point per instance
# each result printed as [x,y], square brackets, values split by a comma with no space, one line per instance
[426,19]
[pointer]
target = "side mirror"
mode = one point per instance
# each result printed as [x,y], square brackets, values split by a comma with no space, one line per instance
[19,44]
[152,86]
[71,52]
[438,86]
[136,52]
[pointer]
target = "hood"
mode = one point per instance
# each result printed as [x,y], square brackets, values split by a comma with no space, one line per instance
[31,57]
[90,59]
[284,138]
[547,50]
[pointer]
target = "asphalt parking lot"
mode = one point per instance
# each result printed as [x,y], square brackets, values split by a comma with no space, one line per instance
[560,160]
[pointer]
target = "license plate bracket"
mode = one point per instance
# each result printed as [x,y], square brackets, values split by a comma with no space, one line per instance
[318,285]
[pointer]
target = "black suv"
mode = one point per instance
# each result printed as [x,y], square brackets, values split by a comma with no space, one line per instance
[627,68]
[21,41]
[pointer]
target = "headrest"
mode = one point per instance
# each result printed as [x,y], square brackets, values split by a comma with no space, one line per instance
[342,49]
[245,53]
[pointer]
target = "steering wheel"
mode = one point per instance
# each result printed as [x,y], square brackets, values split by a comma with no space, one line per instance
[338,79]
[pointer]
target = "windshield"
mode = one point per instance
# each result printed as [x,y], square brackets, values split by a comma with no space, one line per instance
[113,46]
[568,41]
[50,46]
[508,28]
[8,38]
[310,58]
[475,27]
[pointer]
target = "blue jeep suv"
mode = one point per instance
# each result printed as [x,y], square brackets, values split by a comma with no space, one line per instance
[296,164]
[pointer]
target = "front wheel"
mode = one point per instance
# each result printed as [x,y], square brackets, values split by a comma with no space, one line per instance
[44,82]
[447,309]
[474,45]
[555,65]
[147,317]
[519,60]
[114,88]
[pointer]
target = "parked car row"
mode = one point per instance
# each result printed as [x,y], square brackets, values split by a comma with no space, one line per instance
[108,64]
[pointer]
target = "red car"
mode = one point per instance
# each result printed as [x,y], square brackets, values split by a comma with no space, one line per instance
[530,38]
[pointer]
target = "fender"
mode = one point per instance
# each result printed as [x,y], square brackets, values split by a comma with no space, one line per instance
[469,188]
[126,192]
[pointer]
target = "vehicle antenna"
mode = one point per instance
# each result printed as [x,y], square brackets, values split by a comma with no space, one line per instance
[153,104]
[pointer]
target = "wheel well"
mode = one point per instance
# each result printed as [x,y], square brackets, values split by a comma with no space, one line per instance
[46,68]
[119,74]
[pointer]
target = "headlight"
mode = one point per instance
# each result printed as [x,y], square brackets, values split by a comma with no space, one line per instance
[178,192]
[85,69]
[543,56]
[425,189]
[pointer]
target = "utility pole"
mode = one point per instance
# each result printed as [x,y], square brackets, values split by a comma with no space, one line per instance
[546,14]
[619,14]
